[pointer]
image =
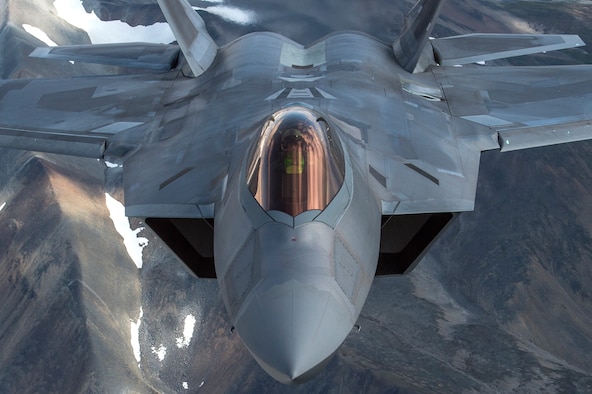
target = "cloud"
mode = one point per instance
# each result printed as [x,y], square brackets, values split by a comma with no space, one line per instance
[232,14]
[101,32]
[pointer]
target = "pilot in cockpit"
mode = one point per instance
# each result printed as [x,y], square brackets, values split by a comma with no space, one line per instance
[293,152]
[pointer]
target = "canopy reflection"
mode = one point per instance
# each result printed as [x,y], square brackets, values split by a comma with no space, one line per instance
[297,165]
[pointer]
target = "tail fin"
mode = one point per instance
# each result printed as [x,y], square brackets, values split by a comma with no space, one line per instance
[416,32]
[191,34]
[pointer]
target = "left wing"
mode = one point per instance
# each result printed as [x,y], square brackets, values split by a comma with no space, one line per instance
[80,116]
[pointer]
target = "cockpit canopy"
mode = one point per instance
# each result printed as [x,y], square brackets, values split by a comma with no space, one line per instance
[297,165]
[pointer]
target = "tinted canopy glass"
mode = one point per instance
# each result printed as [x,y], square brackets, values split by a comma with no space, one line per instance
[296,165]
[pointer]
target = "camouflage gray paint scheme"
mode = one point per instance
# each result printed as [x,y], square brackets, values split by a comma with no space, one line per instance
[410,124]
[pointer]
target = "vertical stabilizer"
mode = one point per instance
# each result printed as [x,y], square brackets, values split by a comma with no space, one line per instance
[416,32]
[191,34]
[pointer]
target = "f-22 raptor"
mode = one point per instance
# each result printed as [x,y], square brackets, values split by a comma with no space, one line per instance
[296,173]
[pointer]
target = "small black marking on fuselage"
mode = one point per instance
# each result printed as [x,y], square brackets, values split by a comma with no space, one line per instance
[175,177]
[423,173]
[377,175]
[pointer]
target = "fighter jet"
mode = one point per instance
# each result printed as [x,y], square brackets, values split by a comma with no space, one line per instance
[296,173]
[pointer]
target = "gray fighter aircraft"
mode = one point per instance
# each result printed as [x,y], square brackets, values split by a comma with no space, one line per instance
[296,173]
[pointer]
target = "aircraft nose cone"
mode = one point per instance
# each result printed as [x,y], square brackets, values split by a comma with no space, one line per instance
[293,328]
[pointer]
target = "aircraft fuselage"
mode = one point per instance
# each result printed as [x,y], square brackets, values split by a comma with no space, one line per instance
[297,215]
[295,261]
[293,279]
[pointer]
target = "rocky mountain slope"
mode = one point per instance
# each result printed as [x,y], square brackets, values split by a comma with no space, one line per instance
[67,289]
[502,303]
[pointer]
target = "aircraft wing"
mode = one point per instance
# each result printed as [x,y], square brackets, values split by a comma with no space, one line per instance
[79,116]
[179,177]
[109,117]
[526,106]
[408,147]
[419,161]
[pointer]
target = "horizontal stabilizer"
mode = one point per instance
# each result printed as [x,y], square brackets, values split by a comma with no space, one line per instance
[473,48]
[159,57]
